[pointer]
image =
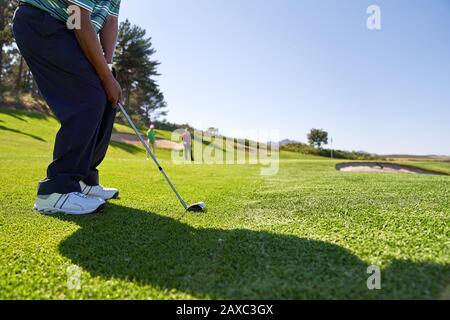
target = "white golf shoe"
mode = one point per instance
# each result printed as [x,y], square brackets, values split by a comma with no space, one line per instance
[99,192]
[74,203]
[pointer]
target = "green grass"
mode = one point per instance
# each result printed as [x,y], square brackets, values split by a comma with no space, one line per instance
[308,232]
[436,166]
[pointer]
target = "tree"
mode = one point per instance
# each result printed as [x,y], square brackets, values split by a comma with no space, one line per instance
[18,84]
[153,104]
[136,70]
[7,8]
[212,132]
[318,137]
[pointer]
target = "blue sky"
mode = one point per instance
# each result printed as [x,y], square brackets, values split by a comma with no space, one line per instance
[293,65]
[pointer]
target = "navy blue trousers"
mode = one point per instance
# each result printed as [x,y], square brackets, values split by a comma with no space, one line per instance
[73,91]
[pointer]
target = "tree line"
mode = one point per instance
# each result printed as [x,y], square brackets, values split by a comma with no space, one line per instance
[134,62]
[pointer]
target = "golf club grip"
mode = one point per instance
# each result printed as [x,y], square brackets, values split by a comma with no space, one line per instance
[122,109]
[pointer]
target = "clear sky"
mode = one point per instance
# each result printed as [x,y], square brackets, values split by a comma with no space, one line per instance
[293,65]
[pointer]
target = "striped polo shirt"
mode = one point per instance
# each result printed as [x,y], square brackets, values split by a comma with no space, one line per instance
[100,9]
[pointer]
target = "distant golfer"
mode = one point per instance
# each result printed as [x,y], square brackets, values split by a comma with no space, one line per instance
[187,143]
[69,47]
[151,134]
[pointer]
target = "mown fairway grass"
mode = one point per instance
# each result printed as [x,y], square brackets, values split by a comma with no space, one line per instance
[308,232]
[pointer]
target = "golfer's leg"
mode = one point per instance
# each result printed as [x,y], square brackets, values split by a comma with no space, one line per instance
[75,144]
[71,88]
[102,144]
[80,122]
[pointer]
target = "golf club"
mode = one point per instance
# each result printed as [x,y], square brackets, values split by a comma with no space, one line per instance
[198,207]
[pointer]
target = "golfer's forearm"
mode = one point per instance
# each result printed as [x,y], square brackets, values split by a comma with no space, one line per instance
[108,37]
[90,44]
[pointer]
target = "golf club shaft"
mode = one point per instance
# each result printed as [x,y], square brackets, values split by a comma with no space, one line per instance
[122,109]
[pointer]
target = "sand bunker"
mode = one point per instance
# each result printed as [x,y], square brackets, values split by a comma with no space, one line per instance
[382,167]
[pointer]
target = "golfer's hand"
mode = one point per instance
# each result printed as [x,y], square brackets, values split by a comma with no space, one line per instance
[113,91]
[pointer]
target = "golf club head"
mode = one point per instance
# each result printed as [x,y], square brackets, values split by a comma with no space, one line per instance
[198,207]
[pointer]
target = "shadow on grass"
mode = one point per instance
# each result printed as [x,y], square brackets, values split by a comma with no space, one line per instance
[145,247]
[126,147]
[22,115]
[22,133]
